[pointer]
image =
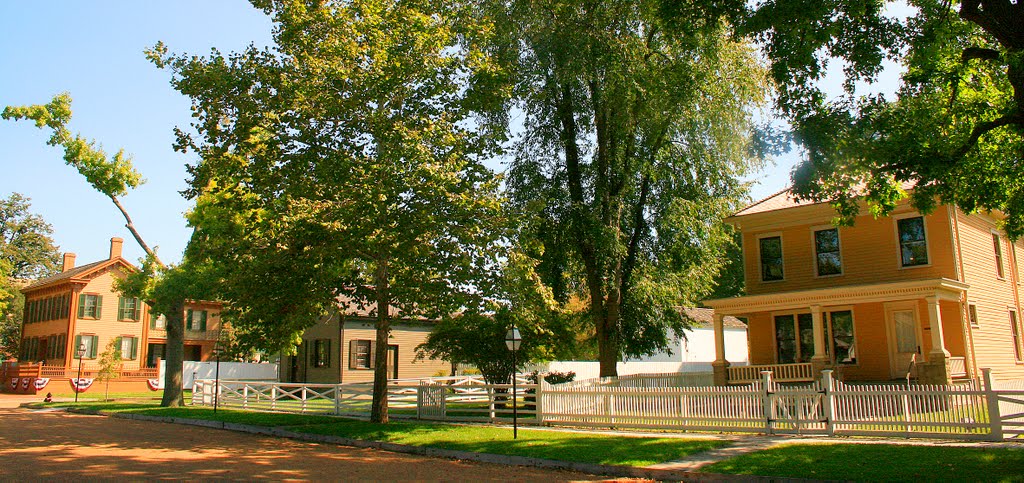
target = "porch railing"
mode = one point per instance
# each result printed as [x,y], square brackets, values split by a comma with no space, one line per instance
[800,372]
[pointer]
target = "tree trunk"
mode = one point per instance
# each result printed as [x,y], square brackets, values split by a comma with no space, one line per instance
[175,355]
[379,410]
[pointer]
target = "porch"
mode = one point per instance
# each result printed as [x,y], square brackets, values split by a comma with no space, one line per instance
[864,332]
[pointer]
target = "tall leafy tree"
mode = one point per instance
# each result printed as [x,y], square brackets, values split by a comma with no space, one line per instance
[954,129]
[344,163]
[26,252]
[636,131]
[112,176]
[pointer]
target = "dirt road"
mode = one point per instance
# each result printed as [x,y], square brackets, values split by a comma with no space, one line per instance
[52,445]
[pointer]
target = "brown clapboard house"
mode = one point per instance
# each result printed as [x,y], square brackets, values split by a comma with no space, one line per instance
[341,348]
[79,307]
[937,296]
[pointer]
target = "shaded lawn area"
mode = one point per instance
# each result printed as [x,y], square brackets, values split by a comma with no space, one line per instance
[877,462]
[586,448]
[566,446]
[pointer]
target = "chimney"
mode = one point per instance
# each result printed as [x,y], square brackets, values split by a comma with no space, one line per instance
[115,247]
[69,261]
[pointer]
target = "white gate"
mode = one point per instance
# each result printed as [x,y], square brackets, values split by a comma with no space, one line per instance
[430,400]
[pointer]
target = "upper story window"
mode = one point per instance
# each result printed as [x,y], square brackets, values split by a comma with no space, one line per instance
[913,245]
[128,308]
[90,306]
[195,320]
[999,255]
[771,258]
[826,250]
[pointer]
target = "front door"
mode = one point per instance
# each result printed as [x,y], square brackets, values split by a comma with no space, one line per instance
[904,343]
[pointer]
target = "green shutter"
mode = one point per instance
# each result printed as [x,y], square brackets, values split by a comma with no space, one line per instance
[78,343]
[138,310]
[99,306]
[117,343]
[120,308]
[81,309]
[202,320]
[188,319]
[95,344]
[135,348]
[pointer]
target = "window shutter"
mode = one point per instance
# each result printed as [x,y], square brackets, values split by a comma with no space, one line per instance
[95,342]
[81,309]
[78,343]
[138,310]
[118,342]
[99,305]
[135,348]
[327,352]
[120,308]
[188,320]
[351,354]
[373,354]
[202,320]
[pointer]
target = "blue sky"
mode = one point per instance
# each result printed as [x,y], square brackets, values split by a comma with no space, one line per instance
[94,51]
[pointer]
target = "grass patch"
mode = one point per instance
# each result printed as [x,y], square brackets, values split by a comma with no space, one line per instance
[585,448]
[558,445]
[877,462]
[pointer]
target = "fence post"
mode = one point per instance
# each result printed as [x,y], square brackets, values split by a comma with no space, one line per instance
[303,398]
[419,400]
[245,396]
[273,396]
[766,401]
[995,420]
[828,403]
[538,404]
[337,400]
[490,403]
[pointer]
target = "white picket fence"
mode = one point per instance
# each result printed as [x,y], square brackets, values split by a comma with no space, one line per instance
[972,411]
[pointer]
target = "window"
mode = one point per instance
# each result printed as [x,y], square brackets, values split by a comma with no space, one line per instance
[195,320]
[129,347]
[157,322]
[90,306]
[972,312]
[771,258]
[826,249]
[913,246]
[1015,330]
[128,308]
[841,330]
[360,354]
[999,255]
[794,338]
[90,342]
[322,353]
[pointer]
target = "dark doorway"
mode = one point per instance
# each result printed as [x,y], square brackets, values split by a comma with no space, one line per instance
[193,353]
[156,351]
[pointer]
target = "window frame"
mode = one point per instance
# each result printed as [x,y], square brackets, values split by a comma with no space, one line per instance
[997,252]
[760,257]
[817,255]
[1016,336]
[972,315]
[83,306]
[830,335]
[321,353]
[122,307]
[899,241]
[355,346]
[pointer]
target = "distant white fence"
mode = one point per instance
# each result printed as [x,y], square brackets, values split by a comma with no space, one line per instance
[592,369]
[827,407]
[247,371]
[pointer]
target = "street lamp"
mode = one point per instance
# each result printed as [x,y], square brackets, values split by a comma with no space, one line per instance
[80,353]
[216,377]
[513,340]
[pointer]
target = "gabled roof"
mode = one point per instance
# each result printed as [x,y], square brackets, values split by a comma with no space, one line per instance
[77,273]
[705,318]
[778,201]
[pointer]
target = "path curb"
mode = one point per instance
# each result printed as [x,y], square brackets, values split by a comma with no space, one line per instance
[590,468]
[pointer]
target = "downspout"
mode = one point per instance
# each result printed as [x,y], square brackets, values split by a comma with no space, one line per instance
[341,343]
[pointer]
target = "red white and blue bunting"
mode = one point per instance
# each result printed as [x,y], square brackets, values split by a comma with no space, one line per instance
[25,381]
[155,384]
[14,383]
[81,385]
[41,383]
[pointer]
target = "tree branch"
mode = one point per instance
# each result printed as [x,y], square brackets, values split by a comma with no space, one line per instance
[983,127]
[979,53]
[131,227]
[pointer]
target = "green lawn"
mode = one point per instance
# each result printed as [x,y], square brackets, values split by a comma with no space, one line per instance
[874,462]
[589,448]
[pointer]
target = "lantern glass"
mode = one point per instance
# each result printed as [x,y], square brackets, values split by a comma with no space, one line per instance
[513,339]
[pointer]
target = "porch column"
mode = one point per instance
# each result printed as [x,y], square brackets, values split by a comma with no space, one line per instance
[936,370]
[819,361]
[720,366]
[935,322]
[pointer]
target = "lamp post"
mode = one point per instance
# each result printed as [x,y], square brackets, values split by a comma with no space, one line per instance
[513,341]
[216,378]
[80,353]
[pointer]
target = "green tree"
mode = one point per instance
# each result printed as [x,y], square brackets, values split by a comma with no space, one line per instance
[110,365]
[26,252]
[344,163]
[955,128]
[636,131]
[113,176]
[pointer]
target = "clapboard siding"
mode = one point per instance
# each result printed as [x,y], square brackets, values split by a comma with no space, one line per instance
[107,327]
[993,296]
[869,251]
